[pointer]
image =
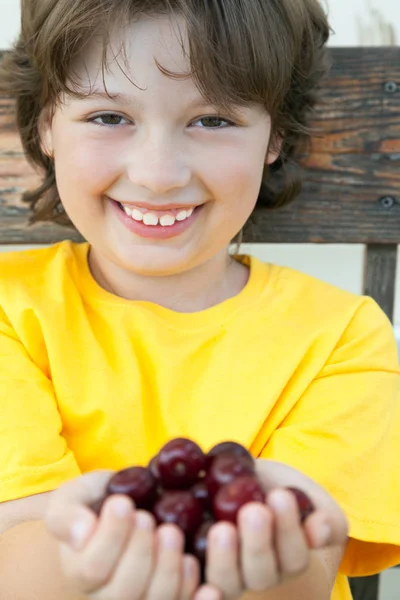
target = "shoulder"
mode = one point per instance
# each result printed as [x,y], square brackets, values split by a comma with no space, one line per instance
[17,264]
[31,271]
[298,284]
[307,290]
[304,299]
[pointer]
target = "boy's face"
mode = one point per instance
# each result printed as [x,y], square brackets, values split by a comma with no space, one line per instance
[154,150]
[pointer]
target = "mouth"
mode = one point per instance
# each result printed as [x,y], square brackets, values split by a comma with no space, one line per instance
[166,216]
[161,224]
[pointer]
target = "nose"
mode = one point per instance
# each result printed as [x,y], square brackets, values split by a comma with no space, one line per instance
[158,165]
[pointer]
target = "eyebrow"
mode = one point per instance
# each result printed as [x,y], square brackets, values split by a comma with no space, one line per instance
[126,100]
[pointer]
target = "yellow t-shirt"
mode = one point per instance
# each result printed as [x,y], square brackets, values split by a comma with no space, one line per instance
[293,368]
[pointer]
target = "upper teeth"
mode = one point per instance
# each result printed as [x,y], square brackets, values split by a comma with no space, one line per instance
[150,218]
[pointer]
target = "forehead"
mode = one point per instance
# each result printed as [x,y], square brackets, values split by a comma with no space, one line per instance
[132,53]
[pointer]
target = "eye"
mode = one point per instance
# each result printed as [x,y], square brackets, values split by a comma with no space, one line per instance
[108,119]
[213,122]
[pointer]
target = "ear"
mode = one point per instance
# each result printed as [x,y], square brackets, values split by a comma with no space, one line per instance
[274,150]
[45,133]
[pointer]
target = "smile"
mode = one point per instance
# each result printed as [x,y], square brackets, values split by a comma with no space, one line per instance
[164,224]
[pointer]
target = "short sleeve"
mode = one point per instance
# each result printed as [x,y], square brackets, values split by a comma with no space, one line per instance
[34,456]
[344,433]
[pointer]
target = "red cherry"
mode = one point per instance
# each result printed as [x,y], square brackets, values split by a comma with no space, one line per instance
[200,491]
[306,507]
[199,546]
[181,508]
[153,467]
[227,448]
[137,483]
[231,497]
[226,468]
[179,463]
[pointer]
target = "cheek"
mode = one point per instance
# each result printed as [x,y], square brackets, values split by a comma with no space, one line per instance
[83,164]
[236,180]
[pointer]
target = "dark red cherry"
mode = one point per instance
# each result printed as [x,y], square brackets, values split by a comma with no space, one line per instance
[153,467]
[137,483]
[180,462]
[231,497]
[200,491]
[306,507]
[226,468]
[227,448]
[181,508]
[199,546]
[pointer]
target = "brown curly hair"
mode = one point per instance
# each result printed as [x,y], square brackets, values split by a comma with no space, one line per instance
[270,52]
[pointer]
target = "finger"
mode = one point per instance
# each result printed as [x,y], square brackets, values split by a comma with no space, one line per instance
[191,577]
[291,547]
[208,592]
[222,561]
[85,489]
[274,475]
[68,517]
[167,575]
[258,560]
[132,575]
[322,529]
[103,551]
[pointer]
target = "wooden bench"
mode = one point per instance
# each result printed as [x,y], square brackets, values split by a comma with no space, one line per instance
[351,193]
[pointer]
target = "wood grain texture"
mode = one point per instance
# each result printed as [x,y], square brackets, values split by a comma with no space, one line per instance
[352,191]
[380,275]
[352,184]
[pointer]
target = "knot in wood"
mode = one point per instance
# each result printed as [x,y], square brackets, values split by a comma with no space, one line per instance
[387,202]
[390,87]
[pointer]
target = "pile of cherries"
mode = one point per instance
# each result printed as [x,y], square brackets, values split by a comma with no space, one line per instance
[194,490]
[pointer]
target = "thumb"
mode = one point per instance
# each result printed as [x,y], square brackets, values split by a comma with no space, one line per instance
[69,517]
[326,528]
[274,474]
[328,525]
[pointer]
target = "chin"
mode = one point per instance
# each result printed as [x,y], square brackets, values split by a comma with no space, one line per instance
[156,266]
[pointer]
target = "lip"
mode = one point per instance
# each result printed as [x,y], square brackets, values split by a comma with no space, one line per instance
[157,232]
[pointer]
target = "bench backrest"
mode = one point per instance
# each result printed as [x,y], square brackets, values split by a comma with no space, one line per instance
[352,186]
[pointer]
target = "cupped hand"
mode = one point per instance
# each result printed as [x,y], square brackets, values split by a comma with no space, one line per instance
[122,554]
[270,546]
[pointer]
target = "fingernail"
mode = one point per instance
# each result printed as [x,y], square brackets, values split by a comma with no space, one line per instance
[253,519]
[324,534]
[169,539]
[188,567]
[79,533]
[279,501]
[120,507]
[144,521]
[207,592]
[223,538]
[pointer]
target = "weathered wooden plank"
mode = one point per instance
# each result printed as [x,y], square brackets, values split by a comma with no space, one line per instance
[352,192]
[380,275]
[352,186]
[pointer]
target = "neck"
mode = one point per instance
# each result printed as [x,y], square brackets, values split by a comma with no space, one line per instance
[204,286]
